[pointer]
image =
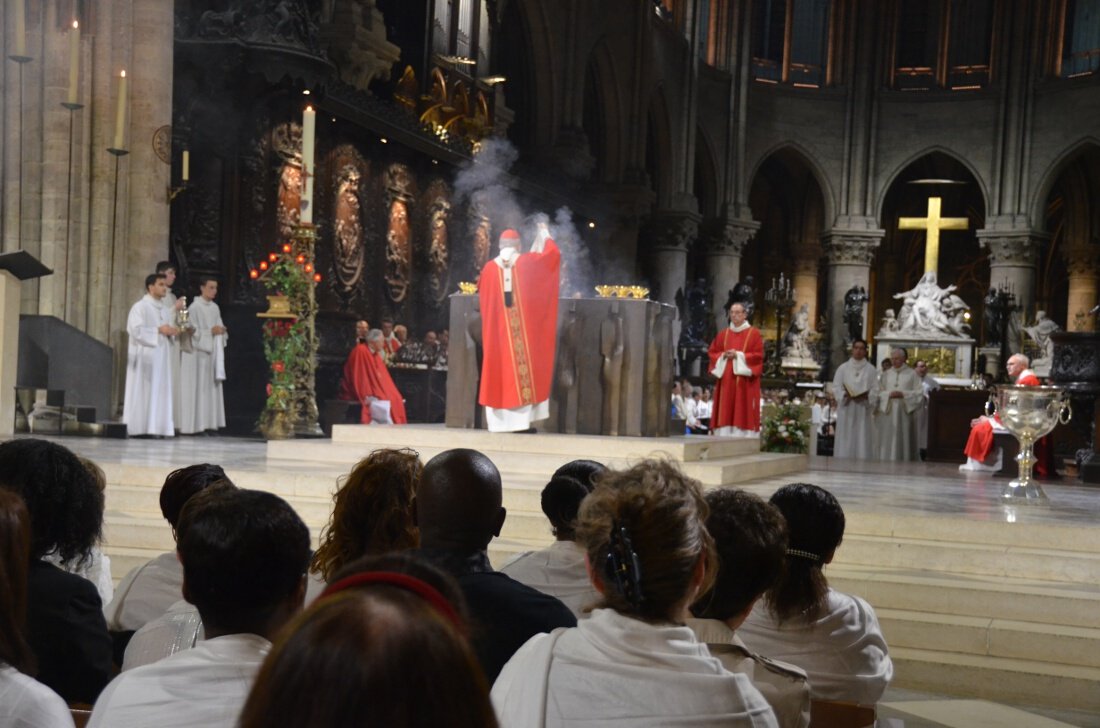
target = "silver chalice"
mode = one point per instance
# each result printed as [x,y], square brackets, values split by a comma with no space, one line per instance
[1029,413]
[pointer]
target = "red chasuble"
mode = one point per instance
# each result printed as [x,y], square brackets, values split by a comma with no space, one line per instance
[519,340]
[980,443]
[365,375]
[737,399]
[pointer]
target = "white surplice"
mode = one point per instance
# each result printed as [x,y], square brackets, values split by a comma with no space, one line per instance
[559,571]
[204,686]
[147,409]
[178,629]
[843,653]
[784,686]
[928,383]
[27,703]
[612,670]
[169,303]
[145,593]
[202,371]
[896,419]
[855,421]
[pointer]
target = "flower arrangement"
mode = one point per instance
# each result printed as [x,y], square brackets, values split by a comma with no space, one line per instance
[785,430]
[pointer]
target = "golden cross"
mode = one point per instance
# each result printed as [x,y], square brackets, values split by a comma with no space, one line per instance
[933,224]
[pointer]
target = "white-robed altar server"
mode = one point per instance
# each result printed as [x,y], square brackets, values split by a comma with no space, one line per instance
[147,409]
[834,637]
[855,387]
[202,370]
[900,398]
[173,306]
[633,661]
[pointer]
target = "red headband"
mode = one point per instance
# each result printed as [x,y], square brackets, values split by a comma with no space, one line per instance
[422,589]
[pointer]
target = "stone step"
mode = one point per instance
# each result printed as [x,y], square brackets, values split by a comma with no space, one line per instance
[1033,601]
[970,558]
[144,532]
[991,637]
[1015,681]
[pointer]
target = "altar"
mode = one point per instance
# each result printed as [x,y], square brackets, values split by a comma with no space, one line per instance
[612,369]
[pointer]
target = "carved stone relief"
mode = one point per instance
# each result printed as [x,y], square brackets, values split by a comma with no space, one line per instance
[439,254]
[348,228]
[398,233]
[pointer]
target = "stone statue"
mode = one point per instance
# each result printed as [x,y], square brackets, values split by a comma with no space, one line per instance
[853,311]
[998,311]
[796,342]
[1040,332]
[743,293]
[695,308]
[889,322]
[928,309]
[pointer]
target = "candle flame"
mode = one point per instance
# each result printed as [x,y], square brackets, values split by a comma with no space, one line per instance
[309,109]
[75,25]
[122,75]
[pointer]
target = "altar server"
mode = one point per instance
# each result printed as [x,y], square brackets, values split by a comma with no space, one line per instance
[147,409]
[202,370]
[855,387]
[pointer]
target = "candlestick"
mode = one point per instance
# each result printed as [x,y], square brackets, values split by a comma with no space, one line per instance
[74,63]
[20,21]
[309,122]
[186,165]
[120,115]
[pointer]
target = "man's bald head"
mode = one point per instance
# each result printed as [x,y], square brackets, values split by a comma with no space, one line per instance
[458,501]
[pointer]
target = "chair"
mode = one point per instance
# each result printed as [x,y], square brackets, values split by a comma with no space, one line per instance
[838,714]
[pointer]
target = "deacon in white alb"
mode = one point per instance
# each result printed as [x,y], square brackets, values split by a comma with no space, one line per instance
[900,398]
[855,387]
[202,370]
[147,409]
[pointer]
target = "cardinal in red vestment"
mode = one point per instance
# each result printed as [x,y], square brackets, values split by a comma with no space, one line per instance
[737,360]
[980,454]
[365,375]
[518,294]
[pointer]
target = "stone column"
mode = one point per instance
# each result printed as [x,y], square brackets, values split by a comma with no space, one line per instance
[670,232]
[849,255]
[725,244]
[1012,256]
[1084,275]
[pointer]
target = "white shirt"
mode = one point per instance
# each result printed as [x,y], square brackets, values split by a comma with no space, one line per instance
[843,652]
[559,571]
[180,628]
[27,703]
[613,670]
[205,686]
[145,593]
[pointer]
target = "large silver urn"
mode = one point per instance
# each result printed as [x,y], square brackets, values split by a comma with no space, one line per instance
[1029,413]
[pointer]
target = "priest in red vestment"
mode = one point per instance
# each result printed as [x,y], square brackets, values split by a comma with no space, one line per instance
[737,360]
[518,293]
[367,380]
[981,454]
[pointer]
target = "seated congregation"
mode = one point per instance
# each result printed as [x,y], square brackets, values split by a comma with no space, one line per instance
[657,604]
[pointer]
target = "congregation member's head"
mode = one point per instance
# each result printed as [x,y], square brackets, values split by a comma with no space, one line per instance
[1015,365]
[244,556]
[459,502]
[648,550]
[750,538]
[168,270]
[431,339]
[562,496]
[156,285]
[183,483]
[815,528]
[61,495]
[15,556]
[372,511]
[384,645]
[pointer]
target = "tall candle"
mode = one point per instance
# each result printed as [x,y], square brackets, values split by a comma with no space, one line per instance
[74,62]
[186,165]
[309,125]
[120,115]
[20,29]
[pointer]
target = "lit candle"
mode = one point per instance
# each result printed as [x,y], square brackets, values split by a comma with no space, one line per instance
[186,165]
[74,62]
[20,29]
[120,116]
[309,125]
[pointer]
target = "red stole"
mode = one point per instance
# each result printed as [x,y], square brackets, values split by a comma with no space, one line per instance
[737,399]
[365,375]
[519,340]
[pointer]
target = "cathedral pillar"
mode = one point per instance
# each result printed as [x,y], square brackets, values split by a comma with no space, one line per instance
[1012,257]
[723,269]
[670,233]
[1084,276]
[849,255]
[620,263]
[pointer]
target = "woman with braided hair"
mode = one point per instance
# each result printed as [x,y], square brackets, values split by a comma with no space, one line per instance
[834,637]
[633,661]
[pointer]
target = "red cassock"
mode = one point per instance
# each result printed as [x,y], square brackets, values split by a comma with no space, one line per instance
[519,340]
[737,399]
[365,375]
[980,443]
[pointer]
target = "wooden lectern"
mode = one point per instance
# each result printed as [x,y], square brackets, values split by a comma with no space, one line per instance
[15,268]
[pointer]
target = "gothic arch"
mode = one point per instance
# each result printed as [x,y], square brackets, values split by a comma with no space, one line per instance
[811,162]
[659,163]
[707,181]
[607,90]
[888,180]
[525,31]
[1037,207]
